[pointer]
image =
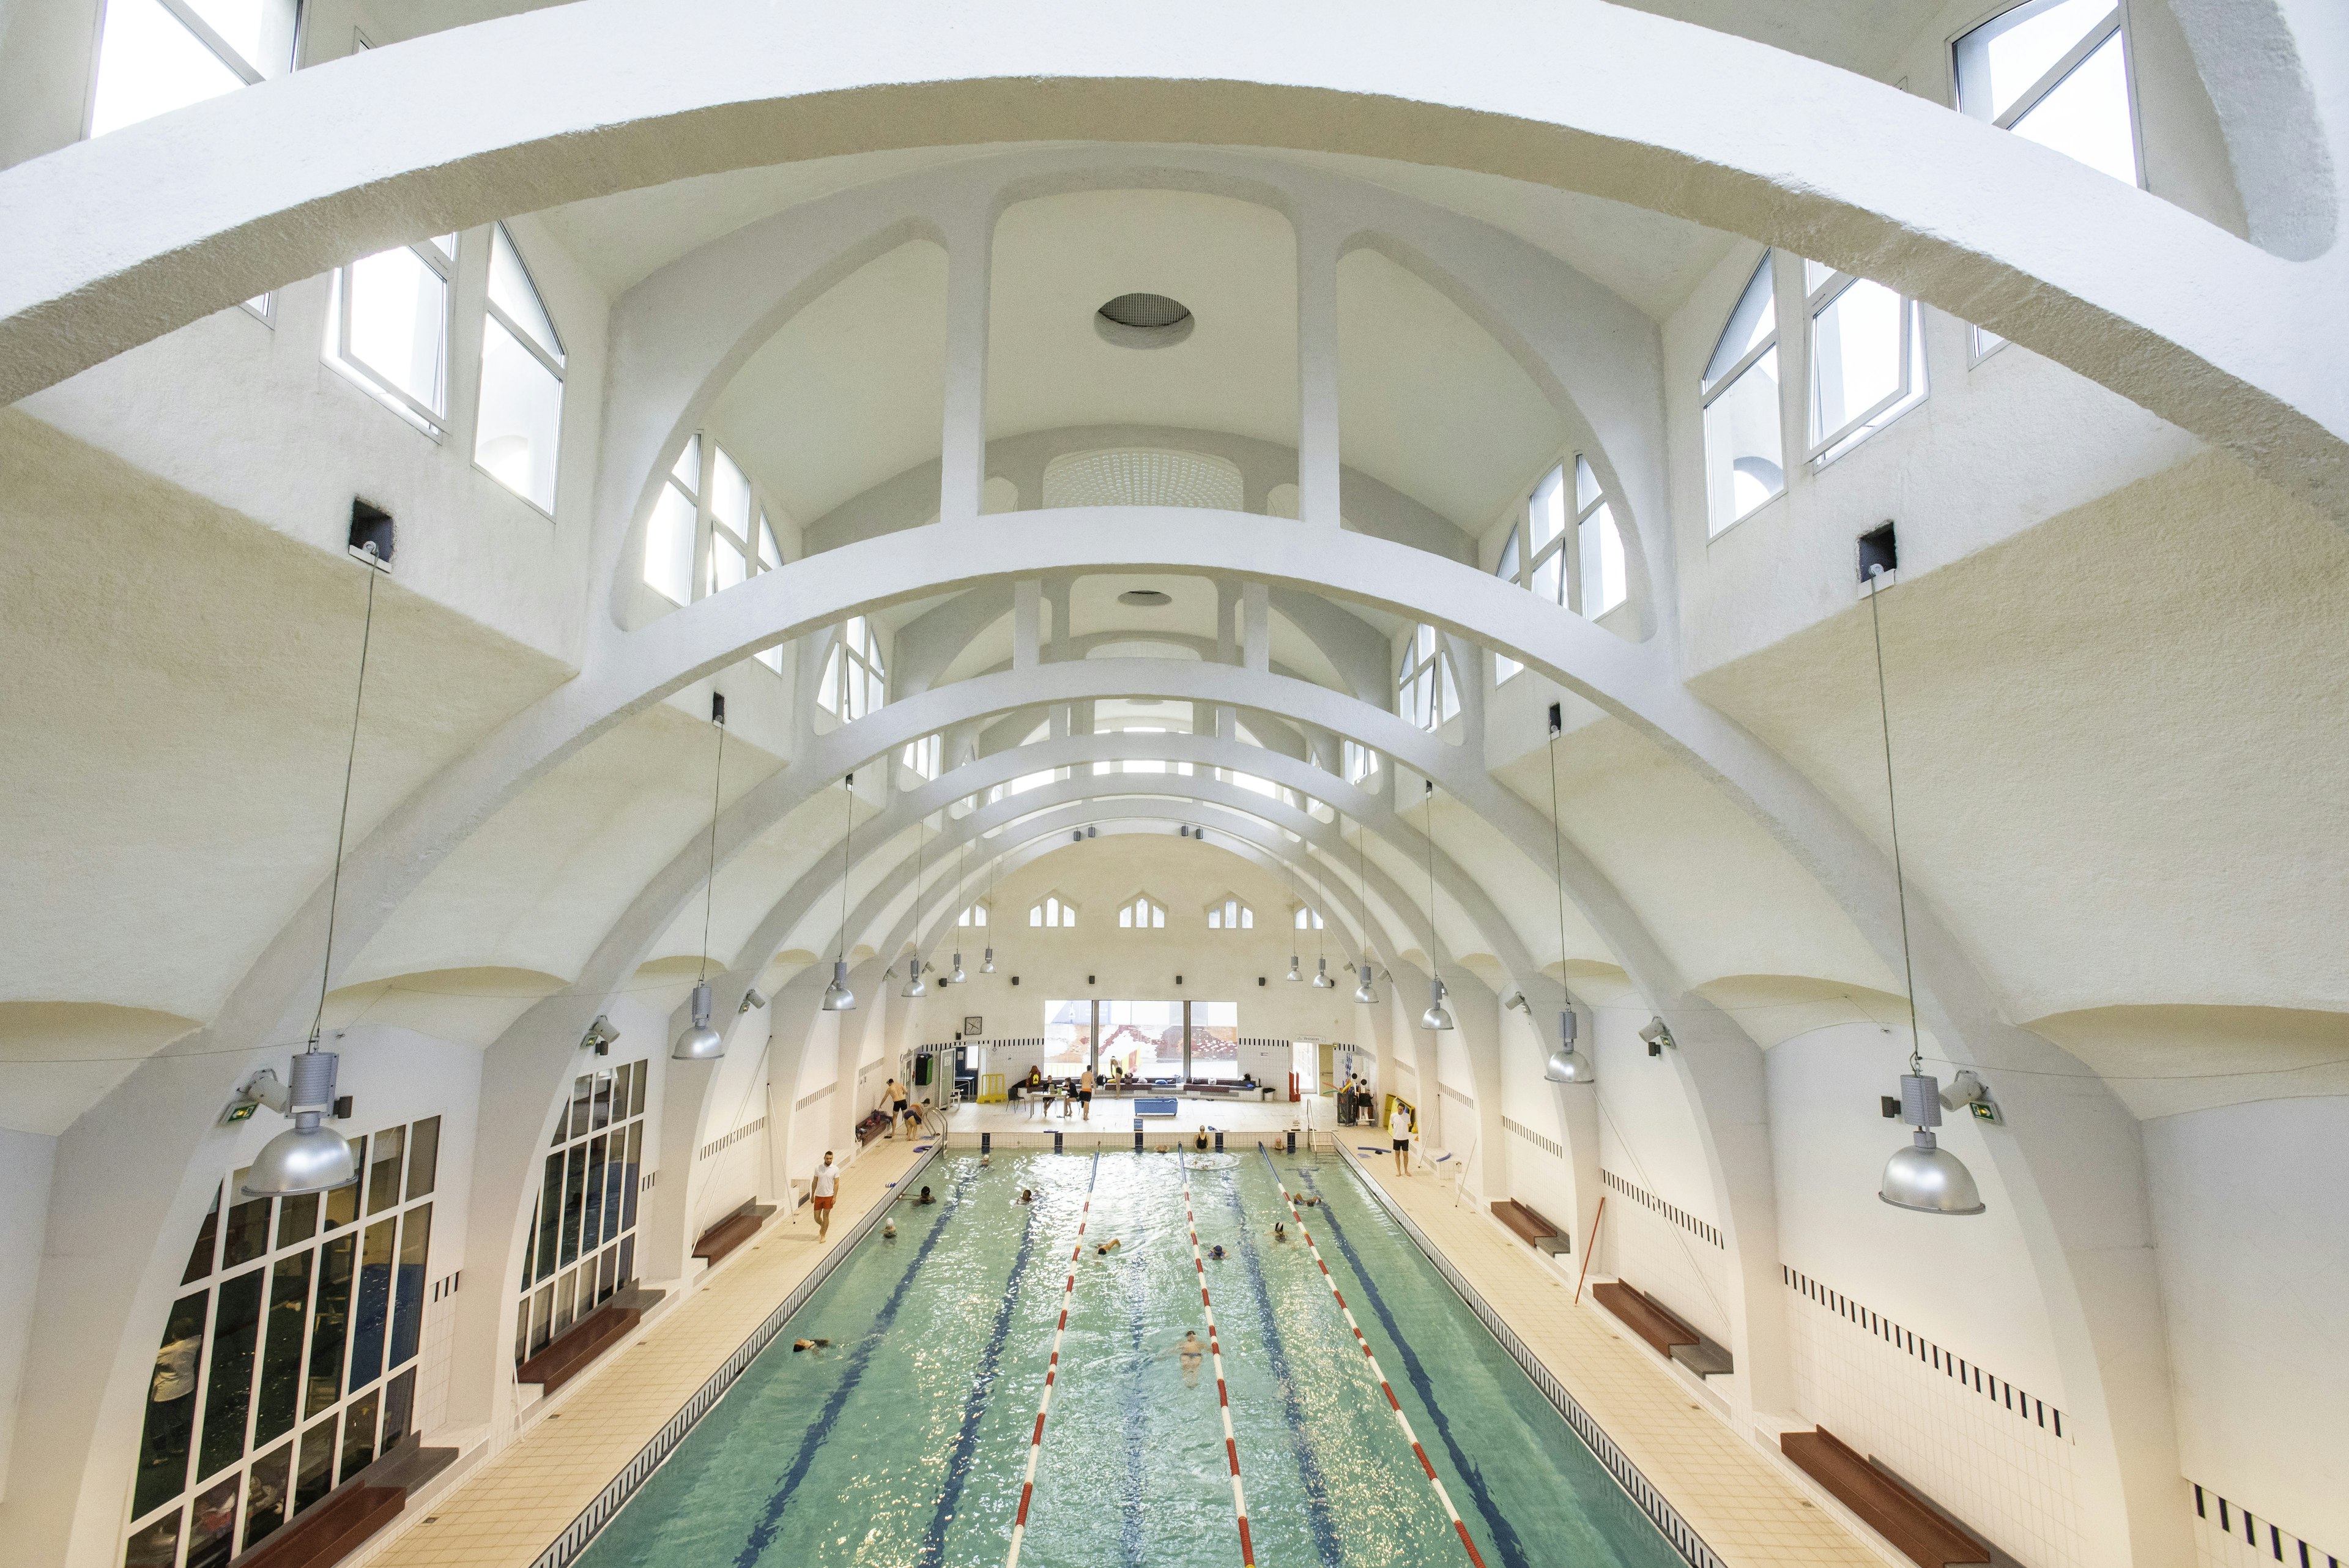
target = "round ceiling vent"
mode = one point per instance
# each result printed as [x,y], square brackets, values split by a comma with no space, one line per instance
[1143,321]
[1145,598]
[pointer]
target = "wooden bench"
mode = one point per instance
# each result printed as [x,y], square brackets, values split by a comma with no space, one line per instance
[731,1231]
[1531,1228]
[1643,1317]
[339,1525]
[571,1352]
[1889,1509]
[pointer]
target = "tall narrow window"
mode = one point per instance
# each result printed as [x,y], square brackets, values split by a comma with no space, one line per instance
[388,328]
[1142,915]
[583,1246]
[1509,568]
[670,534]
[156,56]
[1230,915]
[1426,693]
[519,425]
[1358,761]
[771,557]
[2055,72]
[1053,912]
[1867,359]
[1744,454]
[1545,515]
[1600,541]
[730,550]
[855,683]
[922,756]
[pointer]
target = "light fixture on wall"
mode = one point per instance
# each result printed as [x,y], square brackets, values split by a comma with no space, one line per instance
[699,1042]
[1657,1034]
[1363,992]
[601,1036]
[307,1157]
[837,997]
[750,999]
[1437,1016]
[1565,1066]
[1923,1177]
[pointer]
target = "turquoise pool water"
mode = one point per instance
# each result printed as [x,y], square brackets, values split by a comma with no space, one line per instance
[906,1442]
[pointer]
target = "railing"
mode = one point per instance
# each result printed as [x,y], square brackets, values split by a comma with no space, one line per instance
[1643,1494]
[653,1454]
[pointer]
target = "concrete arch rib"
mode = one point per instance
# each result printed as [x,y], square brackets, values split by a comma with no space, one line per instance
[252,189]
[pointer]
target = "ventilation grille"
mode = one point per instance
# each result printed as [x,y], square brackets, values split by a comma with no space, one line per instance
[1141,477]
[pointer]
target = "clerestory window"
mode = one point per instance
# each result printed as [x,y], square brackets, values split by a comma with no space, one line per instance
[1142,915]
[855,683]
[1307,919]
[2056,72]
[1867,359]
[1053,912]
[669,533]
[1744,456]
[976,915]
[519,427]
[1231,915]
[1509,569]
[1426,691]
[388,328]
[922,756]
[156,56]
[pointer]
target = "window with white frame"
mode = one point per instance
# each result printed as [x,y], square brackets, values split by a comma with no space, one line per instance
[1358,761]
[1231,915]
[1509,569]
[855,683]
[581,1249]
[1604,584]
[771,557]
[1307,919]
[1426,691]
[1744,454]
[1867,358]
[519,426]
[2057,73]
[730,548]
[922,755]
[156,56]
[388,328]
[1142,915]
[975,915]
[669,533]
[1053,912]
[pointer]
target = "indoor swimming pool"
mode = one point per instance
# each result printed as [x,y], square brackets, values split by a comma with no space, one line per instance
[907,1440]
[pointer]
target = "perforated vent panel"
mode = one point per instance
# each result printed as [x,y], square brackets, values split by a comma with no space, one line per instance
[1141,477]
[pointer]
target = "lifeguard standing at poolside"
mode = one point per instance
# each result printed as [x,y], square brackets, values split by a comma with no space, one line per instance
[821,1189]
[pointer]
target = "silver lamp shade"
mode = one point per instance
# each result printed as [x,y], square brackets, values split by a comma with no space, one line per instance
[914,985]
[306,1157]
[837,997]
[1321,981]
[1437,1016]
[699,1042]
[1294,973]
[1567,1065]
[986,965]
[959,978]
[1363,992]
[1925,1178]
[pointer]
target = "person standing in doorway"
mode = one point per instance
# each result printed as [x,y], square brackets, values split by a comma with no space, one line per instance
[894,1094]
[1085,1093]
[1399,1125]
[821,1189]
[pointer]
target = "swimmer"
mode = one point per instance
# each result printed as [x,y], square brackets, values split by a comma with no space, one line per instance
[800,1344]
[1105,1248]
[1280,1230]
[924,1198]
[1216,1252]
[888,1230]
[1026,1195]
[986,1159]
[1191,1351]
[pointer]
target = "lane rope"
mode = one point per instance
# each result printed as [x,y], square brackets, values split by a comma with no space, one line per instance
[1216,1353]
[1371,1359]
[1053,1370]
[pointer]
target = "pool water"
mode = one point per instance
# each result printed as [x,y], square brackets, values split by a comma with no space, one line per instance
[906,1440]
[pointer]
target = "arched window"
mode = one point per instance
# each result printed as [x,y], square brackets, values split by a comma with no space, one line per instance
[1142,915]
[1601,542]
[855,683]
[2057,73]
[1231,915]
[1745,454]
[974,916]
[1052,911]
[1509,569]
[1426,691]
[1307,919]
[154,57]
[519,425]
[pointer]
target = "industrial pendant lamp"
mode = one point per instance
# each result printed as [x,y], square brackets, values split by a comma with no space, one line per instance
[986,961]
[1565,1065]
[1363,992]
[962,867]
[1321,981]
[1295,973]
[699,1042]
[308,1158]
[1437,1016]
[837,997]
[914,985]
[1923,1177]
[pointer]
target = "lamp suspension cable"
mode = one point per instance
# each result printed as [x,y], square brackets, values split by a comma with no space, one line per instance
[1563,1065]
[343,823]
[697,1041]
[1363,992]
[837,996]
[1437,1016]
[1892,812]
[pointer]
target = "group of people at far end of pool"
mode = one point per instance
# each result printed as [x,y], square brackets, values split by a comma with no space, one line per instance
[1075,1093]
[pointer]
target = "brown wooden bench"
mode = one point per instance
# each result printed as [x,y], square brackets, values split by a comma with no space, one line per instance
[1889,1509]
[571,1352]
[1643,1317]
[731,1231]
[331,1531]
[1530,1226]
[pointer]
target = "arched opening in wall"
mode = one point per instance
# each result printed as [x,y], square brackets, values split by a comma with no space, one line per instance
[1142,350]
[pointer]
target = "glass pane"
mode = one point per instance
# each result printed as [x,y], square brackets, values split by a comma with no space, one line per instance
[248,1228]
[520,427]
[259,31]
[228,1383]
[1750,324]
[264,1494]
[582,1104]
[281,1357]
[541,1317]
[330,1324]
[1743,460]
[1068,1036]
[317,1477]
[729,495]
[383,1169]
[636,1091]
[358,1433]
[1549,577]
[1603,583]
[770,555]
[423,1157]
[605,1265]
[565,1293]
[372,1314]
[212,1528]
[150,63]
[511,291]
[2086,116]
[591,1207]
[170,1408]
[600,1107]
[200,1256]
[615,1186]
[1214,1041]
[1508,566]
[2005,56]
[398,1407]
[343,1202]
[550,1215]
[1855,356]
[1585,484]
[668,545]
[575,1192]
[628,1258]
[686,469]
[632,1176]
[399,319]
[408,1315]
[727,568]
[157,1546]
[297,1220]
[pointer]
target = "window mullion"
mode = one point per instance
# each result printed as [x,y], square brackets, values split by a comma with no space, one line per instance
[185,14]
[1729,378]
[522,338]
[2090,42]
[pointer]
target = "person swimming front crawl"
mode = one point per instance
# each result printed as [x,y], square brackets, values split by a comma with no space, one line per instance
[1191,1351]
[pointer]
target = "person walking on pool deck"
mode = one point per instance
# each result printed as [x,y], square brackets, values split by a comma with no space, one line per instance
[1400,1127]
[1085,1093]
[895,1095]
[820,1192]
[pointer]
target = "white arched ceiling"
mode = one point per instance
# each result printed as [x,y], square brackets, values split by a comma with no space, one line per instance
[1058,258]
[1428,402]
[851,390]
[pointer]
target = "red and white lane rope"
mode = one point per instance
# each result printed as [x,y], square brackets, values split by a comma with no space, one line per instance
[1051,1370]
[1215,1355]
[1371,1359]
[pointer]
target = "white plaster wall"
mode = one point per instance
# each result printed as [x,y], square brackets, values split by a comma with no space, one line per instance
[1647,1135]
[1535,1175]
[25,1161]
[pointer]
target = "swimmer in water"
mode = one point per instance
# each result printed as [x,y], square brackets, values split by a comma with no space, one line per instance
[1026,1195]
[924,1198]
[800,1344]
[888,1230]
[1280,1230]
[1216,1252]
[1191,1351]
[1113,1244]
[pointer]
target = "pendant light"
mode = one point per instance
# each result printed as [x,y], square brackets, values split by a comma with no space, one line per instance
[307,1158]
[1437,1016]
[1363,992]
[914,985]
[986,961]
[1296,975]
[699,1042]
[837,997]
[1321,981]
[1565,1064]
[962,867]
[1923,1177]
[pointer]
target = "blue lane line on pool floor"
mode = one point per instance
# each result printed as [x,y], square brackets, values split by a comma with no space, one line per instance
[973,1404]
[1513,1551]
[1318,1518]
[763,1534]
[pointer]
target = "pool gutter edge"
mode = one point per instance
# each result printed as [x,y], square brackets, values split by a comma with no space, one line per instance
[1676,1530]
